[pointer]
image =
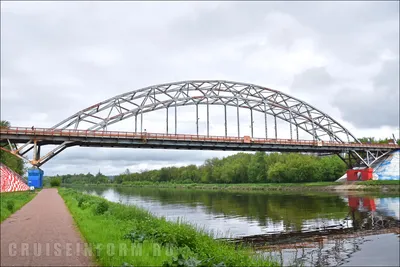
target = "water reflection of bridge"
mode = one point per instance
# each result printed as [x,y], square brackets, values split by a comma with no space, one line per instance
[366,216]
[363,219]
[331,245]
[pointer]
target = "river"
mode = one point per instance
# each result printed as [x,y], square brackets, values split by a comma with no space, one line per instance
[295,229]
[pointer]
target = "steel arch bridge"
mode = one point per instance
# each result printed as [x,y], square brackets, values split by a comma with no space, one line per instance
[88,127]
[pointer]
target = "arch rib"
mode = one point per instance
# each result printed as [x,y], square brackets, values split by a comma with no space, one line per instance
[214,92]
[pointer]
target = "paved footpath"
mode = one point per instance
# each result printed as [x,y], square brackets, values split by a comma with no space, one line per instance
[42,233]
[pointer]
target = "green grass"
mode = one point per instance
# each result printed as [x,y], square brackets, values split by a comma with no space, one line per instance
[156,241]
[313,186]
[380,182]
[13,201]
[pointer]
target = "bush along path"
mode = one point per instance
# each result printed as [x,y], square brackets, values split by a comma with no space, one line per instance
[42,233]
[13,201]
[121,235]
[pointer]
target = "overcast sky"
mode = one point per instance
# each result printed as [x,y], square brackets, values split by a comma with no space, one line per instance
[58,58]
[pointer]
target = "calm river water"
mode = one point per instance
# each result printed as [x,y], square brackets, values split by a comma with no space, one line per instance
[298,229]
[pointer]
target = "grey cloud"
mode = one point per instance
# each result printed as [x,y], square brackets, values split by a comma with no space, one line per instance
[379,107]
[237,22]
[132,155]
[355,32]
[358,35]
[334,17]
[312,80]
[58,51]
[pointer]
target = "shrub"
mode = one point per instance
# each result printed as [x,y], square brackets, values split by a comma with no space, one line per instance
[83,202]
[183,261]
[86,204]
[80,202]
[10,205]
[55,182]
[101,207]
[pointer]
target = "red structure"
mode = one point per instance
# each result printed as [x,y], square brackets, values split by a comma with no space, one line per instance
[366,202]
[360,175]
[11,181]
[369,203]
[354,202]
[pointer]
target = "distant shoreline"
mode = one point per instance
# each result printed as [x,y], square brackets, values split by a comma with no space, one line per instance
[370,186]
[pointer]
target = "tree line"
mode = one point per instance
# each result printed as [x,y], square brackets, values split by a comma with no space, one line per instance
[373,140]
[247,168]
[239,168]
[88,178]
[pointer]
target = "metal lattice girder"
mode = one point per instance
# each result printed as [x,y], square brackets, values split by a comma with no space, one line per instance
[256,98]
[270,102]
[367,158]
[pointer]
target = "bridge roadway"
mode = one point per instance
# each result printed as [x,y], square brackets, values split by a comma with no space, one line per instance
[88,138]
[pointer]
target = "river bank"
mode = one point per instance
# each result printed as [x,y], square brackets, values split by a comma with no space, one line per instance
[364,186]
[229,214]
[141,239]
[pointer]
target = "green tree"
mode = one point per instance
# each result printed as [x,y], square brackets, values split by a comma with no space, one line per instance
[277,173]
[256,169]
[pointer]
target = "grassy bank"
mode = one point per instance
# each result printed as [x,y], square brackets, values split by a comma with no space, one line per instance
[370,186]
[139,239]
[13,201]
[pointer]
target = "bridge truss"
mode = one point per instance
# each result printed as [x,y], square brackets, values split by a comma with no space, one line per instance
[269,102]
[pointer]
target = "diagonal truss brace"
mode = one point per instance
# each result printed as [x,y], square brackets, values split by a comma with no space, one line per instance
[370,158]
[39,162]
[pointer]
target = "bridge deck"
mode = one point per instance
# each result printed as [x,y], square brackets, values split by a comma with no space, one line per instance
[46,136]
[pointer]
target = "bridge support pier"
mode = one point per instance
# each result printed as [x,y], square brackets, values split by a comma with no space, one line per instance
[360,175]
[37,156]
[36,151]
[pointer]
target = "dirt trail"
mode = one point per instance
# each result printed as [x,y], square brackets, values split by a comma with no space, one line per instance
[42,233]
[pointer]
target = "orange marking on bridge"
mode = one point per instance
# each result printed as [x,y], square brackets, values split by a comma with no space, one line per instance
[186,137]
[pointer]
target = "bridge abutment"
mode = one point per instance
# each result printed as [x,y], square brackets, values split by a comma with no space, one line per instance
[360,174]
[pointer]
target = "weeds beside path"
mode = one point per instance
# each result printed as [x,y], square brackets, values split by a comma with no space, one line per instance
[13,201]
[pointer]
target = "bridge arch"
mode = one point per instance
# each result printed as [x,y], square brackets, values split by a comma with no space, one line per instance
[295,112]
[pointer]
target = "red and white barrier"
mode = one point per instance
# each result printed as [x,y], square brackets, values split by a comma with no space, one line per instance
[11,181]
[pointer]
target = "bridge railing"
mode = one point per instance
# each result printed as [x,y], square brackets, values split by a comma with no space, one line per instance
[37,132]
